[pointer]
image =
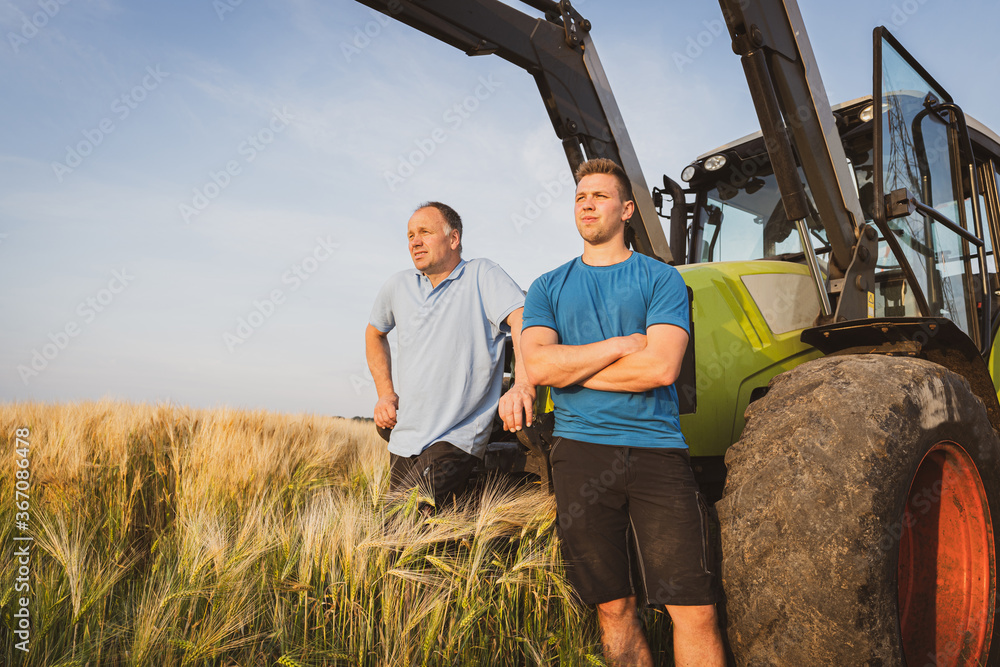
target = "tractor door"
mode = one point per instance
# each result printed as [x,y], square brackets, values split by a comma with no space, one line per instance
[932,253]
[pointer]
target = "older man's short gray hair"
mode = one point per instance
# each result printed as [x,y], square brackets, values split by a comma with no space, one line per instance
[451,218]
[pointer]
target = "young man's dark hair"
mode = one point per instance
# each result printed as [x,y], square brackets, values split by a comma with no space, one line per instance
[602,165]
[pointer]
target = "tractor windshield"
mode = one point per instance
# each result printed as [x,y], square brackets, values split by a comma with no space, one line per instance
[741,217]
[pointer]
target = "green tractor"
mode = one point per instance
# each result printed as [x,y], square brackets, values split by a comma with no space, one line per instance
[862,466]
[839,395]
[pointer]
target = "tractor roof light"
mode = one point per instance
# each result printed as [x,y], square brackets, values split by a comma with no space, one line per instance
[688,173]
[715,163]
[867,113]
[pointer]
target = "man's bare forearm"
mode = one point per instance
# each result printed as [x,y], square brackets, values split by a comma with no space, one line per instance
[514,321]
[516,407]
[564,365]
[656,365]
[637,372]
[379,360]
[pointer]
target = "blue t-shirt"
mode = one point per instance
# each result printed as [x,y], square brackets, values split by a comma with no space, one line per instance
[448,365]
[586,304]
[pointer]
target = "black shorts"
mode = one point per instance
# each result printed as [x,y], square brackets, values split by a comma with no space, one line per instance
[442,470]
[631,523]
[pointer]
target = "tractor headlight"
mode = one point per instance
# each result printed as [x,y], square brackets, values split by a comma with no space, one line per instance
[715,163]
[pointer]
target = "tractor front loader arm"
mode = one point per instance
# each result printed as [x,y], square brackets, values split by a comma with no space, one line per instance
[558,52]
[800,130]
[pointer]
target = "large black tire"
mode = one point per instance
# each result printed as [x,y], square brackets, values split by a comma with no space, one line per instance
[813,525]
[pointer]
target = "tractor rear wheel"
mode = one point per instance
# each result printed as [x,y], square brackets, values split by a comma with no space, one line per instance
[857,519]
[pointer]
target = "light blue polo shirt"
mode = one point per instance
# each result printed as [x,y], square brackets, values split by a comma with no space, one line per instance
[448,366]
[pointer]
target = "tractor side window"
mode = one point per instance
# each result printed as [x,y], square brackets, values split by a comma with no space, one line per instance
[893,297]
[859,156]
[993,214]
[991,183]
[983,172]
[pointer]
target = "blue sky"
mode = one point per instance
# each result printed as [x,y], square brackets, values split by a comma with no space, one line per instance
[170,170]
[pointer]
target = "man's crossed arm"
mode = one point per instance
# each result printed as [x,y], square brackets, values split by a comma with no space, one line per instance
[625,363]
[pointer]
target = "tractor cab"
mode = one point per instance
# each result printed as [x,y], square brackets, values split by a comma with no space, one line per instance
[936,177]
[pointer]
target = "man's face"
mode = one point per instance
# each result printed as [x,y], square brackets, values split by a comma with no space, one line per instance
[600,211]
[432,247]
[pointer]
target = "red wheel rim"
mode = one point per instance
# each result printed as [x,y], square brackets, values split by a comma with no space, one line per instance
[946,562]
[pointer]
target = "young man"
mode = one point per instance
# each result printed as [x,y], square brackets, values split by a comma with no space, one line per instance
[451,317]
[607,331]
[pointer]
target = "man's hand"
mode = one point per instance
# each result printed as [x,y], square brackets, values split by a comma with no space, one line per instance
[516,406]
[385,410]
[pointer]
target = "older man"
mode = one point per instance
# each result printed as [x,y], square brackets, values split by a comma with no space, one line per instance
[607,331]
[451,317]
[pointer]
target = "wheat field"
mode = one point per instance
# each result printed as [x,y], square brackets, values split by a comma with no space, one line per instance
[171,536]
